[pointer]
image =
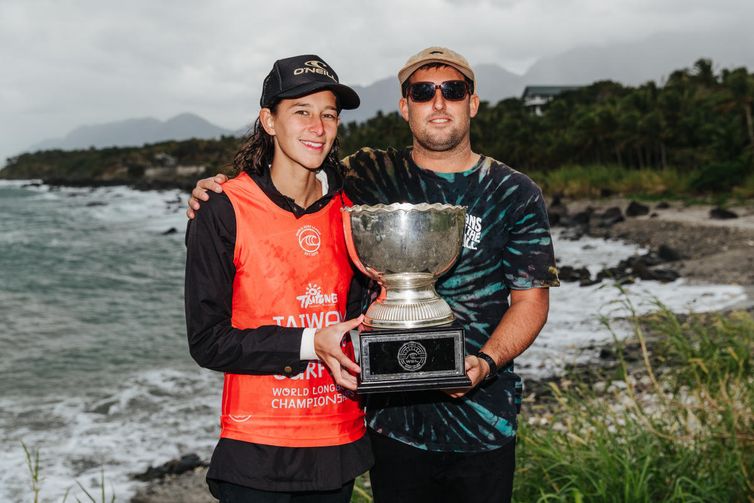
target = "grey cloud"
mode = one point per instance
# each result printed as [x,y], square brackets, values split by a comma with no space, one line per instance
[86,61]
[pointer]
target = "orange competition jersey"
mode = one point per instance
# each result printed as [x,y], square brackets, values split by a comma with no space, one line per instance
[292,272]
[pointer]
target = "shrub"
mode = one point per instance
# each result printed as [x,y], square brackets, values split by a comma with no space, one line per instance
[685,437]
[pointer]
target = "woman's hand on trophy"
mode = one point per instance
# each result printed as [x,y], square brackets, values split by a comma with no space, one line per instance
[327,346]
[199,193]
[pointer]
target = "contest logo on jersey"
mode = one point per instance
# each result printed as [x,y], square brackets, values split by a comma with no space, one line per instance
[309,239]
[239,419]
[315,298]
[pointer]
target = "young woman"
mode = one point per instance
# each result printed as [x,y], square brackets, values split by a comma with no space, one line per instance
[267,278]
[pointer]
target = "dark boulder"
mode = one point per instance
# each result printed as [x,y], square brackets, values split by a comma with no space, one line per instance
[641,267]
[721,214]
[636,209]
[610,217]
[663,275]
[568,273]
[573,233]
[589,281]
[662,205]
[170,231]
[668,254]
[607,354]
[581,218]
[172,467]
[612,273]
[557,212]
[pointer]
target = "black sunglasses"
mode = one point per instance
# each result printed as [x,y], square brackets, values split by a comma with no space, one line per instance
[452,90]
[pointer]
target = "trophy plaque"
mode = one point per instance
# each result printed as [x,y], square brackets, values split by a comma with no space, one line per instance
[410,341]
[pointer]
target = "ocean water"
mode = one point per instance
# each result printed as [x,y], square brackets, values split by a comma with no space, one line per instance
[94,366]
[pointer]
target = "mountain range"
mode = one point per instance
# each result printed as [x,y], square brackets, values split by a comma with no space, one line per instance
[135,132]
[630,63]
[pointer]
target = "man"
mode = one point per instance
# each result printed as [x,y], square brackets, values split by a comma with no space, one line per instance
[457,446]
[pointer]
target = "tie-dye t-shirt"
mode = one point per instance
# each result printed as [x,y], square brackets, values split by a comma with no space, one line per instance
[506,246]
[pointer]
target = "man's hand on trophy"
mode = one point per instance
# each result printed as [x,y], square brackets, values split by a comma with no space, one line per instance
[199,193]
[327,346]
[476,370]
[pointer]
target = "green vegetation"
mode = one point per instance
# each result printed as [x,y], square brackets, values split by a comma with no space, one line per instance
[679,431]
[692,135]
[362,490]
[102,493]
[678,427]
[746,189]
[594,181]
[598,180]
[124,165]
[32,464]
[35,472]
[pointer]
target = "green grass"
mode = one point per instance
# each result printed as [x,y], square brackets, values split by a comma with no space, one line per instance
[35,474]
[746,189]
[362,490]
[592,181]
[32,464]
[678,426]
[688,436]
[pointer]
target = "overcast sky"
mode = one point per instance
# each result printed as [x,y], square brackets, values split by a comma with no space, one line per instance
[77,62]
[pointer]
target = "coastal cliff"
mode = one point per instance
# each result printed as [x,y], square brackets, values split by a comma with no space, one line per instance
[171,164]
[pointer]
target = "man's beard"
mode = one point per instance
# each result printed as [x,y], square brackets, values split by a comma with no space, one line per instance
[439,142]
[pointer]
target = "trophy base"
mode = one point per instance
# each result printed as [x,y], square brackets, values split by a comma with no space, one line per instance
[412,359]
[418,385]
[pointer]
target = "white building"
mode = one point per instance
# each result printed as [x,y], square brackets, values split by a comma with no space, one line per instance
[537,96]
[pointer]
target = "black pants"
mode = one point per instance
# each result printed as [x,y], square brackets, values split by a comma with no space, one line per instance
[403,473]
[232,493]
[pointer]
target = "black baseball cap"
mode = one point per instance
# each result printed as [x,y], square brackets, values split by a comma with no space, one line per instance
[302,75]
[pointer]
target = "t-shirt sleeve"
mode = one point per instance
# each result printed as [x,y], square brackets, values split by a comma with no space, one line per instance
[356,170]
[371,177]
[528,255]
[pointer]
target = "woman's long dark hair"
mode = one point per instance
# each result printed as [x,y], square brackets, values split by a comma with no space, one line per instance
[255,154]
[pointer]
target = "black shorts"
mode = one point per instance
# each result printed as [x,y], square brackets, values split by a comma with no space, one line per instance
[402,473]
[232,493]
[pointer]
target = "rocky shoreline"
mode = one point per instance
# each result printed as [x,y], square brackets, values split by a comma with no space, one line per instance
[703,243]
[143,183]
[698,243]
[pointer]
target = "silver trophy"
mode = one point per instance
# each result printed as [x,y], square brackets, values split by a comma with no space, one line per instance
[410,342]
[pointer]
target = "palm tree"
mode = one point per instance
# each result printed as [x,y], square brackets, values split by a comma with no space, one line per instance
[741,87]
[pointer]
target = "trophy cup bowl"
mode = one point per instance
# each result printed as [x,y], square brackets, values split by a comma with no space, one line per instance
[405,248]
